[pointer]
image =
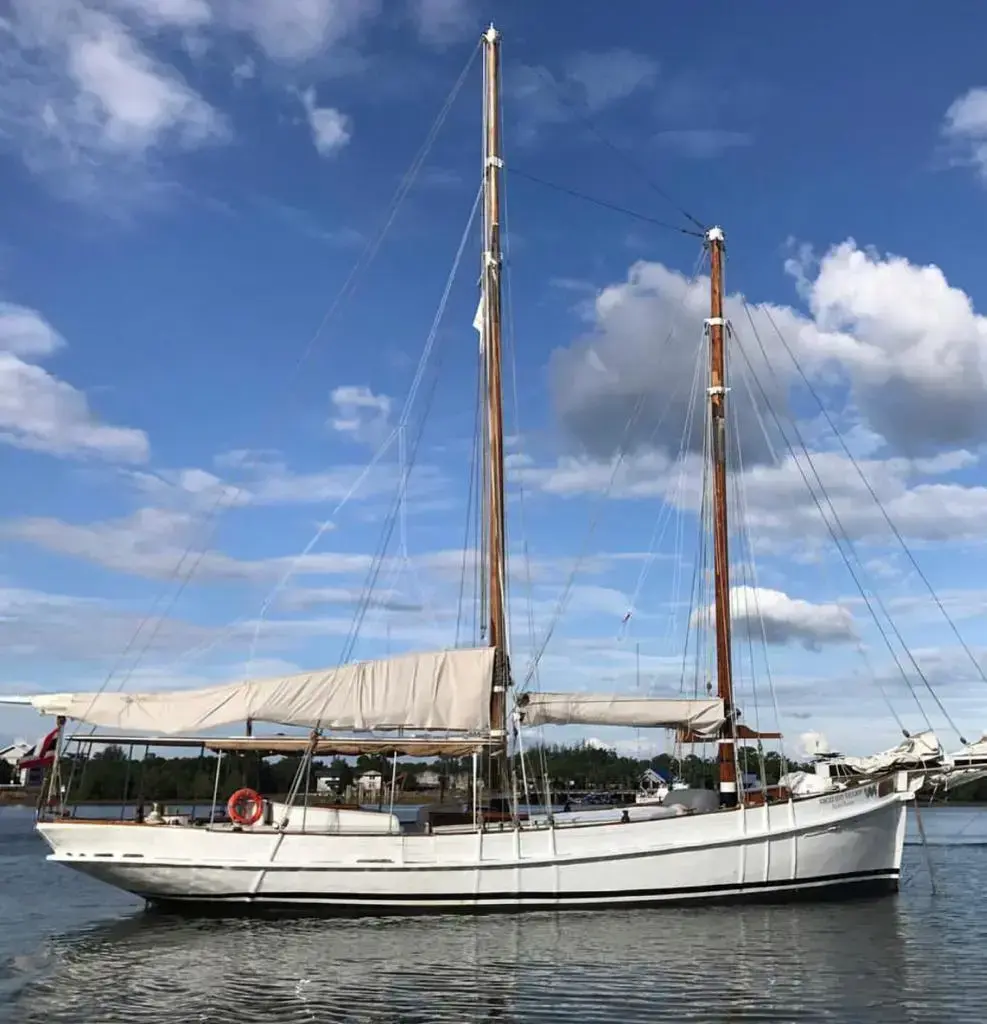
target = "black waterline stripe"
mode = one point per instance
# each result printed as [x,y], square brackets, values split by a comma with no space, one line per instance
[545,897]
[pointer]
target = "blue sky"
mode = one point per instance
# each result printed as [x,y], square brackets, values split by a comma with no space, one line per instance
[189,184]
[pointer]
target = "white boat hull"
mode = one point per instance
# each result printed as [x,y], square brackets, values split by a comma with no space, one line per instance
[841,844]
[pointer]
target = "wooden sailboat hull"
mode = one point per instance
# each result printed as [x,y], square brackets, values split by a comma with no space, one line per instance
[844,843]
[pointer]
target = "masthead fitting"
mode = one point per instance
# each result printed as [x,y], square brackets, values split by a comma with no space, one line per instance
[491,35]
[715,235]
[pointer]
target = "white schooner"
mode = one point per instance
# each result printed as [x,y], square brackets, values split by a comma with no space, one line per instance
[841,835]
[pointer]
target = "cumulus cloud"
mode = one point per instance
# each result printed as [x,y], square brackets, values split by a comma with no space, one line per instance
[779,619]
[40,412]
[630,382]
[889,341]
[912,345]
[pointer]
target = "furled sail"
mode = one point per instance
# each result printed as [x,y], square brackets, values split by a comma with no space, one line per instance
[444,690]
[698,716]
[921,750]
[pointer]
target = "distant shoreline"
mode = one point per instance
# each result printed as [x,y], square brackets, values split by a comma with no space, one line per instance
[25,797]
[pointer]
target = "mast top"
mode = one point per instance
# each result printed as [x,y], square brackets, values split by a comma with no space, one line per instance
[715,234]
[491,35]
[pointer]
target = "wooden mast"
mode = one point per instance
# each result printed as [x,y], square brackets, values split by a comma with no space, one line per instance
[721,554]
[491,340]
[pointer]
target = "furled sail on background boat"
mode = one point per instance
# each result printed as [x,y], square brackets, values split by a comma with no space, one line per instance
[733,844]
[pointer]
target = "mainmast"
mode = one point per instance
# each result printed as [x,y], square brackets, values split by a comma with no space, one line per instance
[491,340]
[721,555]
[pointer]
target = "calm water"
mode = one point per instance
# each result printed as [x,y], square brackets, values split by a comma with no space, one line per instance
[77,952]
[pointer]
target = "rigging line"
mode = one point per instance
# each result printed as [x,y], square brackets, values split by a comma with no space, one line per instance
[615,468]
[764,430]
[397,433]
[622,154]
[515,394]
[848,542]
[859,646]
[405,415]
[664,515]
[877,501]
[228,495]
[634,214]
[830,528]
[471,492]
[746,533]
[698,597]
[851,547]
[617,463]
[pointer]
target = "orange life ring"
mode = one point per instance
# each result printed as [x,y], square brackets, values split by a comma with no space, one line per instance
[245,807]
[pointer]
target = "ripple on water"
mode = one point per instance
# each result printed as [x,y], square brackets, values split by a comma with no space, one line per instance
[914,958]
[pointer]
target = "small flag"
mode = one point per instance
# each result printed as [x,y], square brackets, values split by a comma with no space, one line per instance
[42,753]
[478,321]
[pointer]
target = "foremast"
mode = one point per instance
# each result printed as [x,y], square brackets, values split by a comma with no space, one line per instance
[717,391]
[490,308]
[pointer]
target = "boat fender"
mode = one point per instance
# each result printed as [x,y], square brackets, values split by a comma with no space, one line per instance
[245,807]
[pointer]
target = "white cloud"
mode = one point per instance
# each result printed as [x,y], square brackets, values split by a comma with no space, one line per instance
[589,82]
[41,625]
[606,77]
[40,412]
[965,129]
[702,143]
[167,13]
[305,598]
[779,619]
[890,342]
[25,332]
[913,346]
[780,509]
[263,478]
[360,414]
[441,21]
[331,128]
[79,92]
[129,103]
[641,354]
[293,31]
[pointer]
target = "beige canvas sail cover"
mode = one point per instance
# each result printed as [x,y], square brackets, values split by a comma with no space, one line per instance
[700,716]
[444,690]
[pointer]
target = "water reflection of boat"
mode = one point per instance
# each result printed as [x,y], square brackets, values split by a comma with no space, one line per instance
[787,963]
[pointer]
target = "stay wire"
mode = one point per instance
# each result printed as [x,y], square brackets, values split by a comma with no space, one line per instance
[617,151]
[877,598]
[769,405]
[605,204]
[228,495]
[870,490]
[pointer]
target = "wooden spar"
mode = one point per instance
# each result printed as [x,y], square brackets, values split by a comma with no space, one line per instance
[491,340]
[721,554]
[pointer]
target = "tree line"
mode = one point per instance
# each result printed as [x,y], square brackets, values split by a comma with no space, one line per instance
[111,775]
